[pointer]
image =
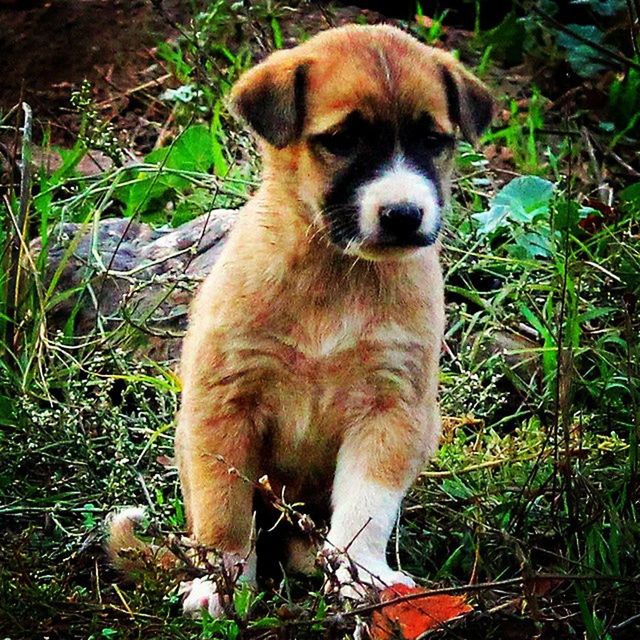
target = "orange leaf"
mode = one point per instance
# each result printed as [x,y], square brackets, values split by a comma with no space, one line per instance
[411,618]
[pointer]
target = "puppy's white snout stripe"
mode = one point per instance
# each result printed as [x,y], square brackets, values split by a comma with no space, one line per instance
[400,200]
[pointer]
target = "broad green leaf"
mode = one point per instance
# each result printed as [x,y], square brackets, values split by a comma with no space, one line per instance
[190,207]
[492,219]
[567,215]
[220,164]
[522,200]
[192,151]
[630,197]
[532,245]
[526,196]
[603,7]
[139,195]
[584,59]
[507,39]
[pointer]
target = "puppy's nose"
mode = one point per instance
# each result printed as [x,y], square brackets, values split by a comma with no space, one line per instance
[400,219]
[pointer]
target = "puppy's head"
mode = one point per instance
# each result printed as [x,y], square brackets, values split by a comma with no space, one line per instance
[360,123]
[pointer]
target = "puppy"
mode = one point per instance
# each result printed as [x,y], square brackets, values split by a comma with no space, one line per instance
[312,351]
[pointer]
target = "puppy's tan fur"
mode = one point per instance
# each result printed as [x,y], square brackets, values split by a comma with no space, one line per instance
[299,356]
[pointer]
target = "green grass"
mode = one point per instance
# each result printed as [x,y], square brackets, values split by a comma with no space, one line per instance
[538,471]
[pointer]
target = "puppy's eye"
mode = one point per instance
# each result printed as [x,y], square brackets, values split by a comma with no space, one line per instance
[435,142]
[342,142]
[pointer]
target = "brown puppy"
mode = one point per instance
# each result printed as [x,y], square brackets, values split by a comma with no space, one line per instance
[312,351]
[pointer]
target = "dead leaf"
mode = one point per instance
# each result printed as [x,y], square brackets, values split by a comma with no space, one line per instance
[411,618]
[165,461]
[596,221]
[542,586]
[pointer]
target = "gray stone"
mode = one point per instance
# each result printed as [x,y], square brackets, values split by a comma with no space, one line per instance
[118,274]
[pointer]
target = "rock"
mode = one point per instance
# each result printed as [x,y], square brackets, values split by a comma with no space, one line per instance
[120,273]
[520,354]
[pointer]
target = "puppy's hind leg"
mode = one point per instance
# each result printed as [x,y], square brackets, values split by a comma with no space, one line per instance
[301,556]
[216,461]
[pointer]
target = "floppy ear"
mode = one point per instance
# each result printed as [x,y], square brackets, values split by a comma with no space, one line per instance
[471,105]
[271,97]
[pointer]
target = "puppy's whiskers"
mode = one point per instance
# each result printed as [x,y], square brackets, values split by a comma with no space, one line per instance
[316,229]
[356,259]
[337,220]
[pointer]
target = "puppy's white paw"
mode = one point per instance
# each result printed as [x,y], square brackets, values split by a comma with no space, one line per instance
[368,577]
[201,594]
[391,577]
[355,578]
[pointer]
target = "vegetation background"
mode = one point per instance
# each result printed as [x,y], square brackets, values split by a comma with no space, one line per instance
[531,506]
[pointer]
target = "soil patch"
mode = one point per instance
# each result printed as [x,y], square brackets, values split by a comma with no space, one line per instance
[48,49]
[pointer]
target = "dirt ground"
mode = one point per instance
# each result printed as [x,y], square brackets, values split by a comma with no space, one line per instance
[48,48]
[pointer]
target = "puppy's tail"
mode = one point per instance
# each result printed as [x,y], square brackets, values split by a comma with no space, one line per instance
[126,551]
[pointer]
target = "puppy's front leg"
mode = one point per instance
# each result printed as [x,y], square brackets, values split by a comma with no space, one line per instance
[376,464]
[216,459]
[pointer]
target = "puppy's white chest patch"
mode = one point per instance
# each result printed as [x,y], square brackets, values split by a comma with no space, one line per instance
[339,371]
[329,340]
[312,387]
